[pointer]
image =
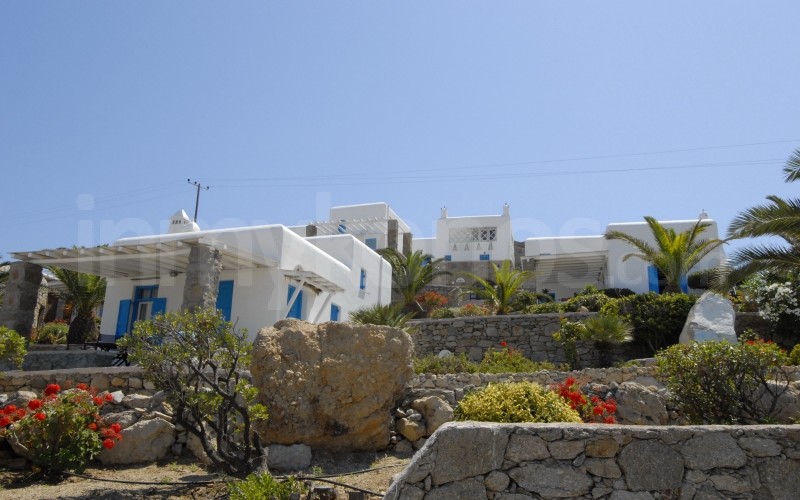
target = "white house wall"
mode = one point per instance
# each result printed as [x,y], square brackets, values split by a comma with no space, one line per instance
[442,246]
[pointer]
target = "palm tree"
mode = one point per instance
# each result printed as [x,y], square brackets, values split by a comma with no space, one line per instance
[86,292]
[411,272]
[779,218]
[387,315]
[605,330]
[674,254]
[501,293]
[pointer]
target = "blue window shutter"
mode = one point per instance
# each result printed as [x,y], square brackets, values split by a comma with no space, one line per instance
[484,256]
[363,281]
[159,306]
[335,310]
[297,308]
[372,243]
[652,278]
[685,284]
[448,258]
[123,316]
[225,298]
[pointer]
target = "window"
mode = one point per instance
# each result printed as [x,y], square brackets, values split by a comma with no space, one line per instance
[363,281]
[335,311]
[372,243]
[484,256]
[225,298]
[448,258]
[472,234]
[145,305]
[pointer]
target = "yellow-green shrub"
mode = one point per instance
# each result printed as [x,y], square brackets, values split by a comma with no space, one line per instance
[515,402]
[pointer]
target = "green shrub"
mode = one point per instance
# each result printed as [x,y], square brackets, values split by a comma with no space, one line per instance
[546,307]
[593,302]
[12,346]
[264,487]
[618,293]
[510,360]
[794,356]
[657,319]
[515,402]
[605,330]
[198,359]
[457,363]
[386,315]
[53,333]
[723,383]
[524,299]
[568,336]
[442,313]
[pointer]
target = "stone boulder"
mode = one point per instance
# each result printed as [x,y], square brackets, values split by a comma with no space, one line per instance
[711,318]
[638,405]
[330,386]
[435,410]
[144,441]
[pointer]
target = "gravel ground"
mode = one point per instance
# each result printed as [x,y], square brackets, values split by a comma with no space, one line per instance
[161,479]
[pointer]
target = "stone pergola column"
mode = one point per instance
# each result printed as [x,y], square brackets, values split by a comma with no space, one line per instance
[391,234]
[202,278]
[21,297]
[407,237]
[311,230]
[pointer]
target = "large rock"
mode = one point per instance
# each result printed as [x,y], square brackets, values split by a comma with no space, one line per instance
[638,405]
[711,318]
[648,466]
[144,441]
[332,385]
[435,410]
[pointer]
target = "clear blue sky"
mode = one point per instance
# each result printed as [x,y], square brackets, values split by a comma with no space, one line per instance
[575,113]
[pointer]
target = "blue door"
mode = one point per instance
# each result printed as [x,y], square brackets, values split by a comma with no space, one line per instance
[123,318]
[296,311]
[335,312]
[652,278]
[225,298]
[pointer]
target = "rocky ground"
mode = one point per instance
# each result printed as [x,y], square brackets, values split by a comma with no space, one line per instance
[166,480]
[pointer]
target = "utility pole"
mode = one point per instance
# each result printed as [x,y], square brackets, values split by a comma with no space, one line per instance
[198,186]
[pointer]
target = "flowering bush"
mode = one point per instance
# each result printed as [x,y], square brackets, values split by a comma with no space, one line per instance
[441,313]
[61,430]
[431,300]
[473,310]
[515,402]
[592,409]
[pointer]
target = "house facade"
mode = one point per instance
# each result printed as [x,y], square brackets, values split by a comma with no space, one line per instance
[564,265]
[254,275]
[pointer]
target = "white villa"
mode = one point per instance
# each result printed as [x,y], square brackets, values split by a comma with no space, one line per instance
[263,274]
[470,239]
[564,265]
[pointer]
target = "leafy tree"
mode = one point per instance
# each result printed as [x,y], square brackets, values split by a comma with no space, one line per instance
[501,293]
[386,315]
[674,254]
[411,272]
[86,292]
[779,218]
[605,330]
[198,359]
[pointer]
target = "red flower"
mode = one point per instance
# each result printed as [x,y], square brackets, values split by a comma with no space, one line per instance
[20,413]
[92,426]
[108,444]
[8,410]
[52,389]
[570,381]
[108,397]
[40,416]
[5,422]
[82,387]
[503,343]
[609,420]
[34,404]
[98,401]
[116,427]
[597,410]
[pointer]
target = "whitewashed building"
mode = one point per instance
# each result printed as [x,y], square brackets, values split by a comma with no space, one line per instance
[564,265]
[374,224]
[256,275]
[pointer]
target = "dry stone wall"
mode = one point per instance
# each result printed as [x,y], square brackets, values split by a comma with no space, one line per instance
[515,461]
[531,334]
[128,379]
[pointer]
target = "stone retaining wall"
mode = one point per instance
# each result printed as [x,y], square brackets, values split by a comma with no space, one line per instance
[57,357]
[127,379]
[517,461]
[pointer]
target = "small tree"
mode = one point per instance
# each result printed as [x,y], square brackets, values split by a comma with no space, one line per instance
[501,293]
[197,359]
[605,330]
[86,292]
[386,315]
[411,273]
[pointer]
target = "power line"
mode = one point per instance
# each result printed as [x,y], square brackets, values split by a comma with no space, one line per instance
[197,198]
